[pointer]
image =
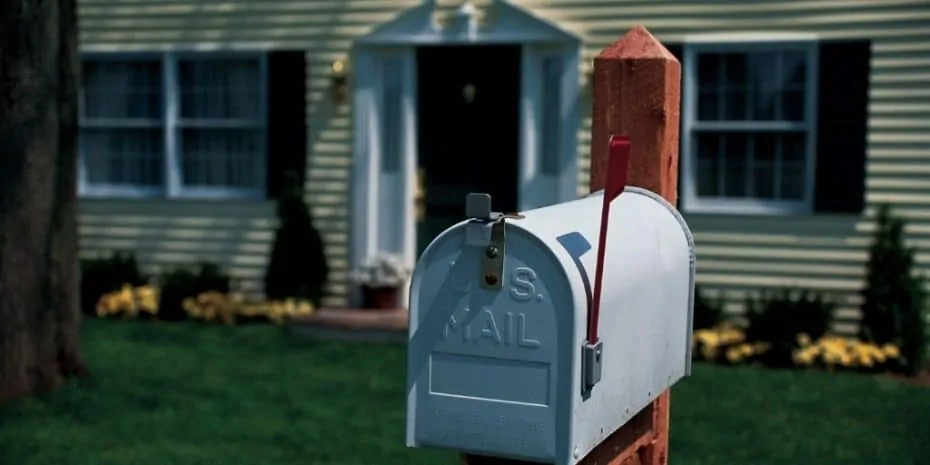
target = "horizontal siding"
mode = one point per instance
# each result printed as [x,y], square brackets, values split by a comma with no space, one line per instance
[164,234]
[736,254]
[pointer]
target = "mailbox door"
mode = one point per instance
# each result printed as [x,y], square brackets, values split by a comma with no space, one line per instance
[487,367]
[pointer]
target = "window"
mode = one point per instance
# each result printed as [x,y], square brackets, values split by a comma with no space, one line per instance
[174,125]
[750,127]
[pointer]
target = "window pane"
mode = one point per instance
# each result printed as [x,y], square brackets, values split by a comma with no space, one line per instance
[766,85]
[760,86]
[764,148]
[122,90]
[708,164]
[793,147]
[132,157]
[735,166]
[220,88]
[735,104]
[736,67]
[794,69]
[793,105]
[708,70]
[792,181]
[222,158]
[708,109]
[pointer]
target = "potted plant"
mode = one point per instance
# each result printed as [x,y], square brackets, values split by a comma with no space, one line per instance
[381,278]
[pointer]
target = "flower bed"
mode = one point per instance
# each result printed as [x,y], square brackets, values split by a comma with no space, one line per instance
[728,344]
[210,307]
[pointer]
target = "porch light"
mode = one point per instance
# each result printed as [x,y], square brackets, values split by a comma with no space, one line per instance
[339,81]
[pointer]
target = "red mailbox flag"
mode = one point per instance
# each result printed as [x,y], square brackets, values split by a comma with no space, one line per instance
[618,167]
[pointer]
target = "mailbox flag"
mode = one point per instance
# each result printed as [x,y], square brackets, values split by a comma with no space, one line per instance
[618,166]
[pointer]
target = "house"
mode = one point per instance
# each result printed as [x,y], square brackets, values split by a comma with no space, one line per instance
[798,117]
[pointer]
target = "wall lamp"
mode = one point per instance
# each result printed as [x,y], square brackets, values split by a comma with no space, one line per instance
[339,77]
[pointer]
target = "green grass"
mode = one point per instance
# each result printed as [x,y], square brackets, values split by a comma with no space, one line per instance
[166,394]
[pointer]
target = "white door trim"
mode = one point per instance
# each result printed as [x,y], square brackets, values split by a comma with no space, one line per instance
[382,215]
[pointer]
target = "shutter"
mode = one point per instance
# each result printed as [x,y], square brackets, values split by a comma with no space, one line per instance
[842,112]
[678,50]
[287,128]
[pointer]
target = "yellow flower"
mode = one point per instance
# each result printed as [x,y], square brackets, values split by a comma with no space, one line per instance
[103,306]
[891,351]
[803,357]
[734,354]
[803,339]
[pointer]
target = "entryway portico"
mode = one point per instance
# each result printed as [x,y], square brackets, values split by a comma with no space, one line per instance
[386,154]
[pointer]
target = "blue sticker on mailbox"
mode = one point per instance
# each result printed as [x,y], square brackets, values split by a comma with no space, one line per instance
[576,246]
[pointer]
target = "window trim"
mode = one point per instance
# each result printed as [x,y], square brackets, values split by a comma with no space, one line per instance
[692,47]
[171,123]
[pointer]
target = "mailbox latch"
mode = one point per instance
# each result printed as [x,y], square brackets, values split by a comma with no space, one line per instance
[487,230]
[592,360]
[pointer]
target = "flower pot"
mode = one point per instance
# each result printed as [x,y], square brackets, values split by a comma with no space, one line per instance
[380,297]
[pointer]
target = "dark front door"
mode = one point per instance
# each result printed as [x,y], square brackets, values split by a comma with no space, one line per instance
[468,131]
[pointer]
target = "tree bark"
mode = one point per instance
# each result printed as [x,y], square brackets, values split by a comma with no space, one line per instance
[39,315]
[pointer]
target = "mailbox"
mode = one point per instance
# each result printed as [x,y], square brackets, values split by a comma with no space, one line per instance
[505,357]
[501,361]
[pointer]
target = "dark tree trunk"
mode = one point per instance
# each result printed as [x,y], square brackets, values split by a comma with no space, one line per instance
[39,317]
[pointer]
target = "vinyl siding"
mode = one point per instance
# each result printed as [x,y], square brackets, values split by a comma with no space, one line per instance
[736,253]
[163,234]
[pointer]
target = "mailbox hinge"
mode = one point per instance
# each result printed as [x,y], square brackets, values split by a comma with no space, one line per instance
[592,359]
[487,230]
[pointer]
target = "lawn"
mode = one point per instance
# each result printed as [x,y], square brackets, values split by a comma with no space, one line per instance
[166,394]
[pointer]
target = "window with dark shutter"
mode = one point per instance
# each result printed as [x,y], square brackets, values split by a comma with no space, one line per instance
[841,126]
[287,127]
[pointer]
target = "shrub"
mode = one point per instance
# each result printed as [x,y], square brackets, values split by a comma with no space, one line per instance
[707,313]
[297,267]
[893,309]
[184,282]
[100,276]
[779,316]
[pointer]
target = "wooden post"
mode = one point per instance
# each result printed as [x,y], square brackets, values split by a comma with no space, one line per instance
[636,93]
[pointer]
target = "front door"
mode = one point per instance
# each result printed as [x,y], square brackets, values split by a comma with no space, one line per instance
[468,131]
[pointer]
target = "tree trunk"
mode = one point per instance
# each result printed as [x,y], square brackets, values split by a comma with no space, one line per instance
[39,316]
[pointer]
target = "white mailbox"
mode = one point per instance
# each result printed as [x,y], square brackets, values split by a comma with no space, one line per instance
[504,357]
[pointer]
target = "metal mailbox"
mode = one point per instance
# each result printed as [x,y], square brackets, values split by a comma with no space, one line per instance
[502,357]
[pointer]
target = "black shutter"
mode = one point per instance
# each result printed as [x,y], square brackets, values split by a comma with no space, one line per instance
[842,112]
[287,127]
[678,50]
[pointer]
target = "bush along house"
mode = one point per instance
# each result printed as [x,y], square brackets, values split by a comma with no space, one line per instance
[798,120]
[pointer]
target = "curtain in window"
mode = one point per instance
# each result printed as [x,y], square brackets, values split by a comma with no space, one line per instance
[221,123]
[121,139]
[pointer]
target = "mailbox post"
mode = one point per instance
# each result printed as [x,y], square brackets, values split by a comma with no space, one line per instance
[636,92]
[453,400]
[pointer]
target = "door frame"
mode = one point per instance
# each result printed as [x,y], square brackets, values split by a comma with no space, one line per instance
[382,208]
